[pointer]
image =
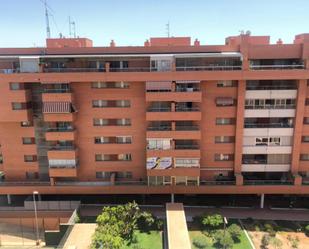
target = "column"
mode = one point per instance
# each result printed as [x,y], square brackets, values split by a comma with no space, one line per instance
[172,198]
[298,125]
[9,199]
[262,201]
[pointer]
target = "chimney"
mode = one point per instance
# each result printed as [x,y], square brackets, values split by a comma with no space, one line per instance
[112,44]
[196,42]
[279,42]
[147,43]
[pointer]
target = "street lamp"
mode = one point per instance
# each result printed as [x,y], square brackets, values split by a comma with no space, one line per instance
[36,218]
[225,223]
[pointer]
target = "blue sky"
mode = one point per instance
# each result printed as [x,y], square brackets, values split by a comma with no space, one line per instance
[131,22]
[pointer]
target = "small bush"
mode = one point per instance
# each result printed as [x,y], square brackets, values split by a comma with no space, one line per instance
[212,221]
[307,230]
[235,231]
[270,229]
[265,241]
[294,241]
[223,239]
[200,242]
[276,243]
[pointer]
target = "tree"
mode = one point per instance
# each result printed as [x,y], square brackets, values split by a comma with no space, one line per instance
[307,230]
[116,225]
[200,242]
[212,221]
[276,243]
[223,239]
[235,231]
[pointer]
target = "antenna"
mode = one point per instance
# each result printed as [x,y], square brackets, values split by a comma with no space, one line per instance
[168,29]
[72,26]
[47,20]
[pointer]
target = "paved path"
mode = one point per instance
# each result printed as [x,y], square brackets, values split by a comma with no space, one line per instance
[177,231]
[80,236]
[239,213]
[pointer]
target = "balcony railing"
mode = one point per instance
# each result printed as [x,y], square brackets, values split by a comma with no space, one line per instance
[231,182]
[268,182]
[9,71]
[267,107]
[188,89]
[131,69]
[263,161]
[187,128]
[60,129]
[186,147]
[271,87]
[20,183]
[208,68]
[57,90]
[62,147]
[63,70]
[276,67]
[159,128]
[159,109]
[187,109]
[270,125]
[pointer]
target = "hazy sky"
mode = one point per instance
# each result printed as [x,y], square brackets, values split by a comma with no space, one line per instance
[131,22]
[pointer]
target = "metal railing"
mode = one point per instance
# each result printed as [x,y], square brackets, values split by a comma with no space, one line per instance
[60,129]
[63,70]
[159,128]
[9,71]
[271,87]
[187,89]
[270,67]
[186,147]
[267,107]
[219,182]
[62,147]
[187,128]
[208,68]
[130,69]
[268,182]
[159,109]
[270,125]
[57,90]
[187,109]
[30,183]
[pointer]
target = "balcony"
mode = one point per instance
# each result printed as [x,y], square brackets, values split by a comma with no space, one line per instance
[271,112]
[60,133]
[271,94]
[268,125]
[72,70]
[276,64]
[277,67]
[62,152]
[177,116]
[259,85]
[63,172]
[195,96]
[268,182]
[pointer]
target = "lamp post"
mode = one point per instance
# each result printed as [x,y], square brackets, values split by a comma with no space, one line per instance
[36,218]
[225,223]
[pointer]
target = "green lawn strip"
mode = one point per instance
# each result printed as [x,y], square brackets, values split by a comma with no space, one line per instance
[145,240]
[194,231]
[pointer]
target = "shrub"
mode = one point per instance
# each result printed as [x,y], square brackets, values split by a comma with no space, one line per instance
[265,241]
[200,242]
[294,241]
[307,230]
[223,239]
[235,231]
[212,221]
[276,243]
[270,229]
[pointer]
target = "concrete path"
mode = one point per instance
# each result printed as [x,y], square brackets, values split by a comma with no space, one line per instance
[80,236]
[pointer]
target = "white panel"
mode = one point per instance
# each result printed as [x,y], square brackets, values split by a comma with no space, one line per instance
[265,167]
[29,65]
[271,94]
[267,149]
[268,132]
[257,113]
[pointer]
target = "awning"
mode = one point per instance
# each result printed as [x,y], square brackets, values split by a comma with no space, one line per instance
[56,107]
[158,85]
[225,101]
[187,81]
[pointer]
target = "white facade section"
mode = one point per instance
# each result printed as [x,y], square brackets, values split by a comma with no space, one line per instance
[270,113]
[267,149]
[265,167]
[271,94]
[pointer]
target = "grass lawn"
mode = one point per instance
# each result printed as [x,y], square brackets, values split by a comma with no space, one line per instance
[242,244]
[151,240]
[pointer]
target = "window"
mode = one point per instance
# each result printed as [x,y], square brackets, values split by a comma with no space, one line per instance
[187,162]
[123,174]
[267,141]
[306,120]
[123,140]
[304,157]
[225,101]
[32,175]
[113,157]
[305,139]
[110,103]
[227,83]
[113,140]
[224,157]
[269,103]
[26,124]
[19,106]
[28,140]
[103,175]
[224,139]
[225,121]
[30,158]
[110,84]
[159,144]
[111,122]
[1,159]
[101,140]
[16,86]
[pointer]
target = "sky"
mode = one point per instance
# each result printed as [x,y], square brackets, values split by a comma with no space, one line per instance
[131,22]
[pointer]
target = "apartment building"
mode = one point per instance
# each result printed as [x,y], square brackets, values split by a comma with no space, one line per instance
[172,116]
